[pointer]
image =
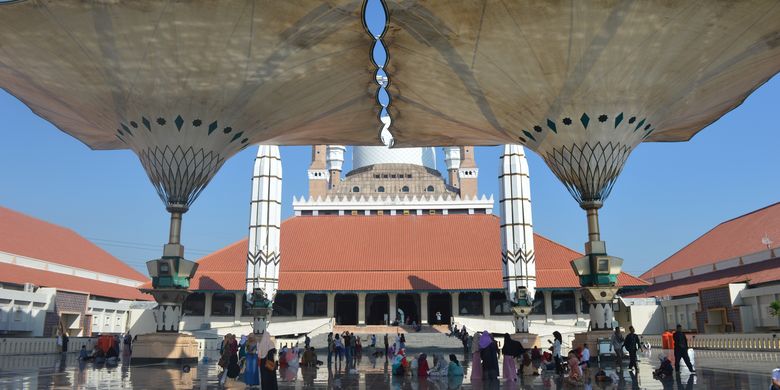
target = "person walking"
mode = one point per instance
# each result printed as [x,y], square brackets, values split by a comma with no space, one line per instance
[616,344]
[128,341]
[681,350]
[251,372]
[556,350]
[386,346]
[631,344]
[373,341]
[331,348]
[306,342]
[268,368]
[65,340]
[476,360]
[489,354]
[348,348]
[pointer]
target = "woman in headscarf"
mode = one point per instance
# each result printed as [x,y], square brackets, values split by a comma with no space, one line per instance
[511,350]
[422,365]
[440,368]
[454,368]
[251,373]
[476,361]
[489,354]
[268,368]
[398,369]
[233,369]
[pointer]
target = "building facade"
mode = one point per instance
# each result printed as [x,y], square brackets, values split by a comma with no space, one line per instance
[391,241]
[52,280]
[724,281]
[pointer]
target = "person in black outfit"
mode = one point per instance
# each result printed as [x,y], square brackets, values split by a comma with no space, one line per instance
[65,341]
[268,368]
[681,350]
[387,351]
[632,343]
[489,357]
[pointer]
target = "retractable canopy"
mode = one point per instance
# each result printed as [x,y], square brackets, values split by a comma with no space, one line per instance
[188,84]
[579,82]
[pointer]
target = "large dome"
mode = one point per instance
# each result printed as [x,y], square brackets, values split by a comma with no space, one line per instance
[363,156]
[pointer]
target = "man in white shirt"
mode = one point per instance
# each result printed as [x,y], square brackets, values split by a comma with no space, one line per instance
[585,356]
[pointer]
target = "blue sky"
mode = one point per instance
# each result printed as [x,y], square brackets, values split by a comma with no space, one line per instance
[668,194]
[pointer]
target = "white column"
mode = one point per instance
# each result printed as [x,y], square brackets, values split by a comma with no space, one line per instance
[485,304]
[361,308]
[455,303]
[391,297]
[517,238]
[264,222]
[548,306]
[207,309]
[331,305]
[424,308]
[239,307]
[299,306]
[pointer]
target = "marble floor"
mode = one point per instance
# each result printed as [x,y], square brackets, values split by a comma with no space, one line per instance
[715,370]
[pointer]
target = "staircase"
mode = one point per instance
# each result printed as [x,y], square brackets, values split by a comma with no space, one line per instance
[427,340]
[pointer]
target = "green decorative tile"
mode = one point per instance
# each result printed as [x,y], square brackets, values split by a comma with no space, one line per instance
[585,119]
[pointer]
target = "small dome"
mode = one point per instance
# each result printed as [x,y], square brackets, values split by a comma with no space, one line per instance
[363,156]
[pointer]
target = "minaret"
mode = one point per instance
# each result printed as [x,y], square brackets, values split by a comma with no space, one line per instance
[335,162]
[467,173]
[452,160]
[262,268]
[517,235]
[318,173]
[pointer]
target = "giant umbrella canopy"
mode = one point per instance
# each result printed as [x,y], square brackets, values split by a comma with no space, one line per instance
[581,83]
[186,85]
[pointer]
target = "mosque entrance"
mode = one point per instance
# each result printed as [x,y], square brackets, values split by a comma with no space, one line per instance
[409,306]
[346,309]
[439,302]
[377,309]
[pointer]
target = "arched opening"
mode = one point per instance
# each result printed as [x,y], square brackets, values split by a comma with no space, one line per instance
[355,189]
[405,189]
[223,305]
[377,309]
[429,189]
[195,304]
[380,189]
[285,305]
[470,304]
[408,308]
[346,309]
[315,305]
[442,303]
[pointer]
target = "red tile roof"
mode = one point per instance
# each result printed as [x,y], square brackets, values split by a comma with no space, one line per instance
[754,273]
[26,236]
[19,275]
[731,239]
[391,253]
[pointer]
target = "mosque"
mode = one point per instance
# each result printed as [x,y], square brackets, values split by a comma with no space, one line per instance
[392,240]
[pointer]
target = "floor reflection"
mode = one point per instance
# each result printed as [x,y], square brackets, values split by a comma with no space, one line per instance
[716,370]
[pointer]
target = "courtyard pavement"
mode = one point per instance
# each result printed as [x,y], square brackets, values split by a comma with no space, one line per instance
[715,370]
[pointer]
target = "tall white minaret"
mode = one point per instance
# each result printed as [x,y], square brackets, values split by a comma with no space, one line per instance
[335,163]
[262,267]
[452,160]
[517,236]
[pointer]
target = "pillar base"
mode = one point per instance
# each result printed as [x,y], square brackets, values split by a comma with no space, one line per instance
[165,347]
[592,339]
[529,340]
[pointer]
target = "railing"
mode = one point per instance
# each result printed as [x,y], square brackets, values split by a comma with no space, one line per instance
[732,342]
[41,345]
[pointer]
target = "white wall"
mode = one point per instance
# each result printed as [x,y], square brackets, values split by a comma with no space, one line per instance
[24,312]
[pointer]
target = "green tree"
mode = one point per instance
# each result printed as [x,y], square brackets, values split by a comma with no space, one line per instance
[774,309]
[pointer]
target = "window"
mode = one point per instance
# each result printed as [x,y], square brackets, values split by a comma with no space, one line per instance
[315,305]
[405,189]
[380,212]
[376,176]
[285,305]
[408,175]
[406,212]
[470,304]
[432,212]
[563,302]
[384,176]
[355,189]
[223,304]
[499,305]
[380,189]
[392,176]
[538,303]
[194,305]
[429,189]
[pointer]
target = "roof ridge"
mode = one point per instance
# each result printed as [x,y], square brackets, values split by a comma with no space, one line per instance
[702,236]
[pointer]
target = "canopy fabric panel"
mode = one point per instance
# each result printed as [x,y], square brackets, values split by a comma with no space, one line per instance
[296,72]
[550,74]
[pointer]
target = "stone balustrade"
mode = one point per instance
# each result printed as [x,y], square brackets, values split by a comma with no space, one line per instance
[41,345]
[732,342]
